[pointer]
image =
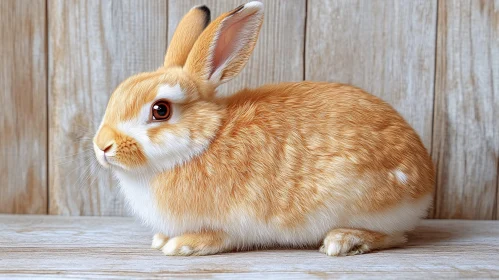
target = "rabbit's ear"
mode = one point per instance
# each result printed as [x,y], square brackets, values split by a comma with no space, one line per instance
[225,46]
[186,34]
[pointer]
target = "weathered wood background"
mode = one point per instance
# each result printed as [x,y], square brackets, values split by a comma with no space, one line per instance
[436,61]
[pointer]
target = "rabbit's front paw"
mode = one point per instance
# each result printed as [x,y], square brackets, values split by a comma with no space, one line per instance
[199,244]
[158,241]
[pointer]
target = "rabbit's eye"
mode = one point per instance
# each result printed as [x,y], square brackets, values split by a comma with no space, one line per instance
[161,110]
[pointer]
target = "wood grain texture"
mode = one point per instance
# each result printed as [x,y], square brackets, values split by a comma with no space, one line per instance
[118,248]
[93,46]
[278,55]
[384,47]
[466,128]
[23,125]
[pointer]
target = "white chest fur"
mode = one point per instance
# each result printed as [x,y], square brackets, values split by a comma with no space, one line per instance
[137,192]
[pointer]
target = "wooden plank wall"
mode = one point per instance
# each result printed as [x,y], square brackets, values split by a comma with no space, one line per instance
[23,97]
[466,127]
[436,61]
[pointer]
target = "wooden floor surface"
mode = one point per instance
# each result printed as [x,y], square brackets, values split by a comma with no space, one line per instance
[112,247]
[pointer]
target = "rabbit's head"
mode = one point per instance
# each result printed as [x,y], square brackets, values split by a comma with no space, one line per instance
[157,120]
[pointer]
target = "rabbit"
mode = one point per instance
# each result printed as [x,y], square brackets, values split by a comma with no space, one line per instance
[298,165]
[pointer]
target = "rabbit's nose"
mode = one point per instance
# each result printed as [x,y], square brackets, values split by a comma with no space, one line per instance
[109,146]
[105,138]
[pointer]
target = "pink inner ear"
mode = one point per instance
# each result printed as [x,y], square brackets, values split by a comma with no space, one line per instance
[229,41]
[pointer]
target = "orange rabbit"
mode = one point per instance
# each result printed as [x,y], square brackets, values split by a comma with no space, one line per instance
[292,164]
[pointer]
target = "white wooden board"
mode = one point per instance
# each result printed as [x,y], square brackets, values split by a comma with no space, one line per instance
[118,248]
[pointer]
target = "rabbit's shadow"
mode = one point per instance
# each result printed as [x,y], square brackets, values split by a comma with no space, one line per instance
[433,234]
